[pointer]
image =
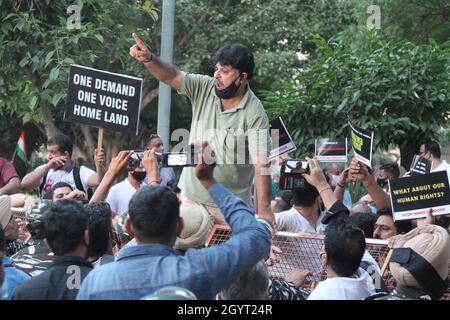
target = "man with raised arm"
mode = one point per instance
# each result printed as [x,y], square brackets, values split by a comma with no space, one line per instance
[227,114]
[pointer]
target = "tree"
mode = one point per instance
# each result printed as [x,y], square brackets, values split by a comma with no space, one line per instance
[38,44]
[413,20]
[38,47]
[396,88]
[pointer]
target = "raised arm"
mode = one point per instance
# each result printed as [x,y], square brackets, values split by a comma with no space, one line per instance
[100,169]
[118,163]
[33,179]
[159,69]
[359,172]
[263,188]
[340,187]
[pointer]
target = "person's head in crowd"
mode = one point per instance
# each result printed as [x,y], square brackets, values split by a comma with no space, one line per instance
[387,172]
[252,285]
[282,201]
[122,230]
[426,268]
[155,141]
[8,223]
[138,173]
[278,205]
[365,221]
[335,169]
[385,227]
[431,150]
[58,191]
[368,201]
[236,56]
[305,197]
[197,225]
[155,215]
[100,229]
[2,255]
[171,293]
[60,145]
[65,225]
[360,207]
[344,248]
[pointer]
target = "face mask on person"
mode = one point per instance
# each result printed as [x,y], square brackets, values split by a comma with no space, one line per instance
[230,91]
[381,182]
[139,175]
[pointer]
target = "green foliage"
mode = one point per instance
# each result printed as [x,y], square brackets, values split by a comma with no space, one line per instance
[416,21]
[37,47]
[396,88]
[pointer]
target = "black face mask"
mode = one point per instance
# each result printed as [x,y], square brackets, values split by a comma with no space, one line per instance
[139,175]
[230,91]
[381,182]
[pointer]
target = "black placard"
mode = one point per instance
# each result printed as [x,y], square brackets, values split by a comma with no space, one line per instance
[103,99]
[362,141]
[281,139]
[420,165]
[412,197]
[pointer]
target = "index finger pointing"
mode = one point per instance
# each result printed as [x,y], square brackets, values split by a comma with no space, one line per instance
[138,41]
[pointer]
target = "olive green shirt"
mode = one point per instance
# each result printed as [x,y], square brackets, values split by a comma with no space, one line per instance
[235,135]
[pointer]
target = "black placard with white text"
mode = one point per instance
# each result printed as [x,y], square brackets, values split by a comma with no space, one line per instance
[103,99]
[420,165]
[412,197]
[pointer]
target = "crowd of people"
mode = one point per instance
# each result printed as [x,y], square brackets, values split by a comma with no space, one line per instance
[143,237]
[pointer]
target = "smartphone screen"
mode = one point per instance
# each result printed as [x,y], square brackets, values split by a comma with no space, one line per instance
[177,159]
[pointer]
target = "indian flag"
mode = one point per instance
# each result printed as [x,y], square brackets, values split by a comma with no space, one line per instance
[21,152]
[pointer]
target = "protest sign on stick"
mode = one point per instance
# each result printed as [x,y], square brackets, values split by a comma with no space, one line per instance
[104,100]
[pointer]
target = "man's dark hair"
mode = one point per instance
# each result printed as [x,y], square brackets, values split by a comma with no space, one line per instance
[402,226]
[392,169]
[173,185]
[100,228]
[305,197]
[49,195]
[64,224]
[434,148]
[154,212]
[286,196]
[365,221]
[63,142]
[344,245]
[237,56]
[151,137]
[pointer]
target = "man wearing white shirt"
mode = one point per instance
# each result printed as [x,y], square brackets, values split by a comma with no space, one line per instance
[344,248]
[120,194]
[432,152]
[305,215]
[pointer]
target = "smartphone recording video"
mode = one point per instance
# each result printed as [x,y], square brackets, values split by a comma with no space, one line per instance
[135,159]
[179,159]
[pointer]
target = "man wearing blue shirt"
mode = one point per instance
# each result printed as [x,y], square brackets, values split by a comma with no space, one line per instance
[152,264]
